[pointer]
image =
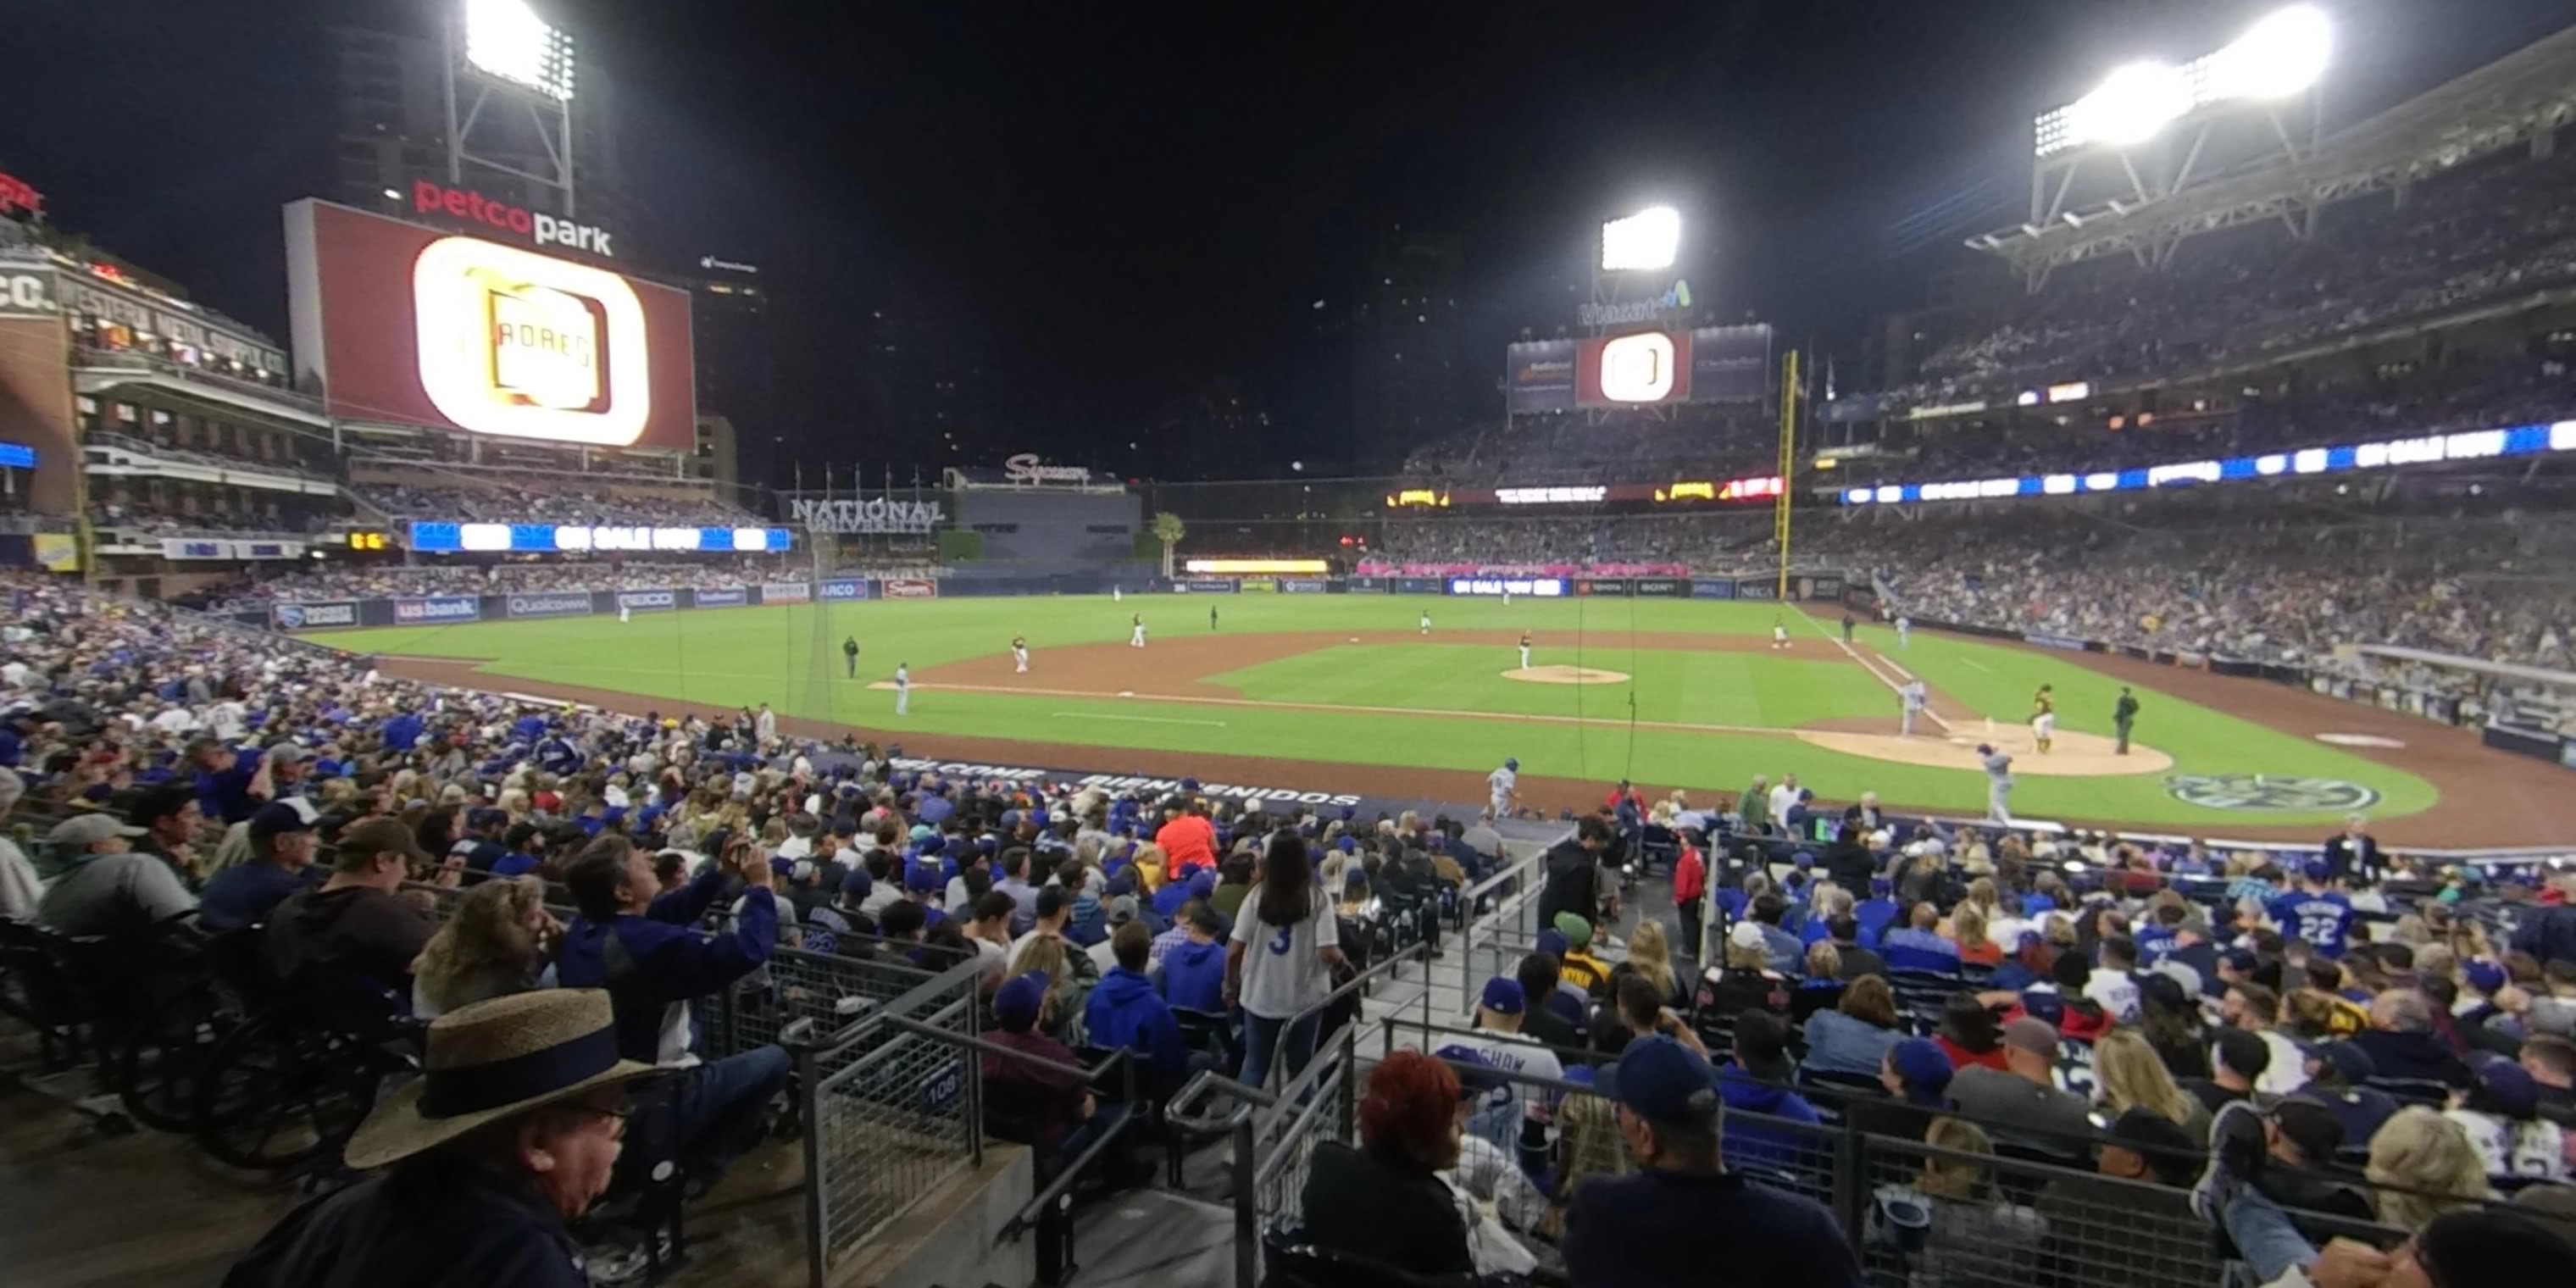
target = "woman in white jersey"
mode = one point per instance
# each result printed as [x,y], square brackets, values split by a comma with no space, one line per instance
[1285,947]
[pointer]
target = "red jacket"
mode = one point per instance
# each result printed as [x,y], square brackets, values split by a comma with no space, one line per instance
[1189,843]
[1690,876]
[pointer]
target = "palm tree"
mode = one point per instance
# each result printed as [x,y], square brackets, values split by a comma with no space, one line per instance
[1169,530]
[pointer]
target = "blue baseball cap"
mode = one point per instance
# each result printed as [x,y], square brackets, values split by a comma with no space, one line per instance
[1016,1004]
[1202,884]
[1662,1081]
[2486,977]
[921,877]
[1920,1063]
[1512,763]
[1504,996]
[857,883]
[2317,870]
[1550,942]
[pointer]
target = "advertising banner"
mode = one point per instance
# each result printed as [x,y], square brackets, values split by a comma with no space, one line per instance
[786,592]
[2067,643]
[1204,586]
[910,588]
[1539,376]
[1365,585]
[439,608]
[177,548]
[1757,588]
[1660,588]
[1300,586]
[728,597]
[1705,589]
[1730,364]
[863,516]
[1535,587]
[1421,586]
[845,588]
[306,617]
[1601,587]
[560,603]
[1260,584]
[648,601]
[1825,588]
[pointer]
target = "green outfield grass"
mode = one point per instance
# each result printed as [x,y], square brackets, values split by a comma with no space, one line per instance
[1429,704]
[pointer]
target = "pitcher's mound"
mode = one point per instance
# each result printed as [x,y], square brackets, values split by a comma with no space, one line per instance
[1566,675]
[2072,755]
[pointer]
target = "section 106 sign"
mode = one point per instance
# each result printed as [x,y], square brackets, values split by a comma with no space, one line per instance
[864,516]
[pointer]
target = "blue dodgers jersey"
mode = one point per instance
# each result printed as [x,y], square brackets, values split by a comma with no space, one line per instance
[2324,921]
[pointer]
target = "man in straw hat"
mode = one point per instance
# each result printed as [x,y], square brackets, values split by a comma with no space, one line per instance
[511,1130]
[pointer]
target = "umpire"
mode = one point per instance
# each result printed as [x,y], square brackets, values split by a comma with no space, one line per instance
[2123,715]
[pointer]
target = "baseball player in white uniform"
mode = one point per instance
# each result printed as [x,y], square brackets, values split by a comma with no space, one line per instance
[1525,647]
[1904,629]
[1136,634]
[625,612]
[1779,633]
[1020,654]
[1999,782]
[1505,785]
[1426,622]
[1914,699]
[903,688]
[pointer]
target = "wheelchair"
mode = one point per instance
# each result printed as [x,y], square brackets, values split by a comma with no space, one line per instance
[287,1087]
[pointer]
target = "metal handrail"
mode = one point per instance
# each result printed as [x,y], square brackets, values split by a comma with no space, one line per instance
[1357,983]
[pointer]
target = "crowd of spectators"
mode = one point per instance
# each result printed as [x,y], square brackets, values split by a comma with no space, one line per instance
[261,782]
[1618,447]
[2498,229]
[2255,587]
[338,581]
[530,501]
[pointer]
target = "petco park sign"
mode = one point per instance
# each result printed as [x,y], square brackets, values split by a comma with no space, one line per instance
[429,198]
[864,515]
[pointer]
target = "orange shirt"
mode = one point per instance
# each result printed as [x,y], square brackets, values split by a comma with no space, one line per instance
[1189,843]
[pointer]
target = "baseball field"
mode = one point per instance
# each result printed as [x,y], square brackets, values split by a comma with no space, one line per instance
[1348,691]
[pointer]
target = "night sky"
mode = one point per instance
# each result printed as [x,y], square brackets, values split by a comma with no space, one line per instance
[1120,201]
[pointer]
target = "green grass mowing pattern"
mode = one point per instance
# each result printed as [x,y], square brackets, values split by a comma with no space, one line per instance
[747,656]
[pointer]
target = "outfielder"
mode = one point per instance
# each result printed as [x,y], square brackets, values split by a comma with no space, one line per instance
[903,688]
[625,612]
[1505,784]
[1426,621]
[2043,718]
[1136,631]
[1779,633]
[1914,700]
[1020,654]
[1525,647]
[1999,782]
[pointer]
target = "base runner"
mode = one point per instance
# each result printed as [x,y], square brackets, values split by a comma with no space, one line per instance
[1505,784]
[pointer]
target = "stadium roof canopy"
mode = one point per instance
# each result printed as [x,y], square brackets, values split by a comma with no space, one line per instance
[2520,99]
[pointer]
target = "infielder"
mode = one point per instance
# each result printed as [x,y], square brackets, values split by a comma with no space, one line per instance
[1136,631]
[2043,717]
[2123,715]
[1525,645]
[1505,784]
[1779,633]
[1426,621]
[625,612]
[903,688]
[1020,654]
[1904,629]
[1999,782]
[1914,700]
[1117,595]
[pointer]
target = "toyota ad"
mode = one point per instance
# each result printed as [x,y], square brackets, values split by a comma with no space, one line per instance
[412,325]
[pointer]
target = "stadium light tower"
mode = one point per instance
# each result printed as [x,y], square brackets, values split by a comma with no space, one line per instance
[2153,128]
[501,52]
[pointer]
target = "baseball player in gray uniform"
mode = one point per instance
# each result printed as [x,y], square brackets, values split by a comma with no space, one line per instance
[1913,697]
[1999,782]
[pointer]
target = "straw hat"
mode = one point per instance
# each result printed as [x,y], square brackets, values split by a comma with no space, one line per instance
[494,1059]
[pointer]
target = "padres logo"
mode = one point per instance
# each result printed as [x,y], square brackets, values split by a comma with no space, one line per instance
[2269,793]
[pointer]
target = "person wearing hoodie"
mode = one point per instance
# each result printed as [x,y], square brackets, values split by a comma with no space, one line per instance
[1194,969]
[1756,1082]
[1574,874]
[1201,885]
[2401,1042]
[1125,1011]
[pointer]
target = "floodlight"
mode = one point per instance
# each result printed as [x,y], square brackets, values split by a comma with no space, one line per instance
[2133,104]
[2280,56]
[506,39]
[1645,241]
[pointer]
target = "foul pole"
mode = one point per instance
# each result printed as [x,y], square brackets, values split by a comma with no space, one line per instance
[1788,466]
